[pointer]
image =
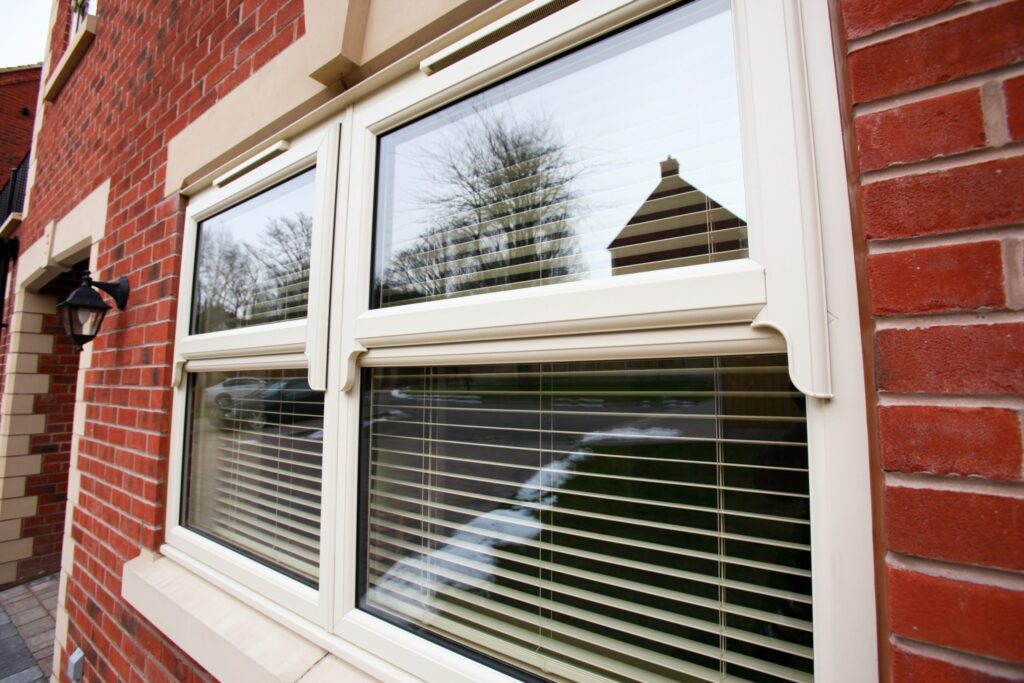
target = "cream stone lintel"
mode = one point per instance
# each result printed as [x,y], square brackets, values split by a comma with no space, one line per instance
[12,221]
[64,243]
[346,41]
[72,56]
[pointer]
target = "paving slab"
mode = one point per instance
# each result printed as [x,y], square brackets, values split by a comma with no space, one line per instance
[27,622]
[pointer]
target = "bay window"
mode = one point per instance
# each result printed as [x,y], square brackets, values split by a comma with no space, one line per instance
[520,366]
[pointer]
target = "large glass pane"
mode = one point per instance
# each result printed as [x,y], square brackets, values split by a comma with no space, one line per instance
[252,261]
[253,467]
[621,157]
[629,520]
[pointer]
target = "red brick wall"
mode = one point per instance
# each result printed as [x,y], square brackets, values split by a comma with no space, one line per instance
[18,92]
[937,98]
[152,69]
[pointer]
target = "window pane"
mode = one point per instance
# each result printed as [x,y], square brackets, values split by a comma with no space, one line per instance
[621,157]
[632,520]
[253,466]
[252,262]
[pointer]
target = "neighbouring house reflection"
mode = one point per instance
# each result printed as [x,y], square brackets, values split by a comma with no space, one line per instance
[677,225]
[501,208]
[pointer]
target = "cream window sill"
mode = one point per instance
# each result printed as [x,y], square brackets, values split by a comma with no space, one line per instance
[231,640]
[11,222]
[72,56]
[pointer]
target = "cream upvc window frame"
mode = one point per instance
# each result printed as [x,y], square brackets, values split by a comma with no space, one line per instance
[291,344]
[773,301]
[800,257]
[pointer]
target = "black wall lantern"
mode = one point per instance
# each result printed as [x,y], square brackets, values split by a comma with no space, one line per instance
[84,309]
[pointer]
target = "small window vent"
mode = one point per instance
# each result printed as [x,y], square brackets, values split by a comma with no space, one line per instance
[517,21]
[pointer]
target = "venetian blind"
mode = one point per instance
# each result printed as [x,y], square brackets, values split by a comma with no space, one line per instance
[254,468]
[642,520]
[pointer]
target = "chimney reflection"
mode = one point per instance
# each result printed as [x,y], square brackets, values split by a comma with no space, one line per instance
[677,225]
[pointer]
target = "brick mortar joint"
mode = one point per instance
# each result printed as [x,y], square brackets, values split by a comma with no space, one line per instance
[951,87]
[953,571]
[1013,273]
[952,162]
[958,658]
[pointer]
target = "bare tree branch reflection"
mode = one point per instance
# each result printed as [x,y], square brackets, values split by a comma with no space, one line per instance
[265,280]
[502,214]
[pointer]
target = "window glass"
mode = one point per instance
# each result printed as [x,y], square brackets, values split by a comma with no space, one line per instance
[621,157]
[630,520]
[252,261]
[253,466]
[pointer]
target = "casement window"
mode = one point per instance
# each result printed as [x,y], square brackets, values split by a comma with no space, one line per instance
[251,370]
[549,395]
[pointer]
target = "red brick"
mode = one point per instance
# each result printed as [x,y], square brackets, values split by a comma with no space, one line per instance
[977,196]
[986,620]
[954,359]
[1014,91]
[911,668]
[861,17]
[955,526]
[922,130]
[957,277]
[965,441]
[970,44]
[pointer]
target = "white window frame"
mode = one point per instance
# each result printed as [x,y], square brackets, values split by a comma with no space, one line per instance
[774,301]
[291,344]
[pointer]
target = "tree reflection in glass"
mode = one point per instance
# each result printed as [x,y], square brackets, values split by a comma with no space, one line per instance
[252,264]
[621,157]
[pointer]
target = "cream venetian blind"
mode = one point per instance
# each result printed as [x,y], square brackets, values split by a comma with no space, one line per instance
[254,466]
[634,521]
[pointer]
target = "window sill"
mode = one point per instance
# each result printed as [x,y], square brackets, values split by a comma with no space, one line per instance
[12,221]
[72,56]
[226,637]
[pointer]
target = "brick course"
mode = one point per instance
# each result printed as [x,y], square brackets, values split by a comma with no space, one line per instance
[940,53]
[984,442]
[977,618]
[938,196]
[150,71]
[959,277]
[921,130]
